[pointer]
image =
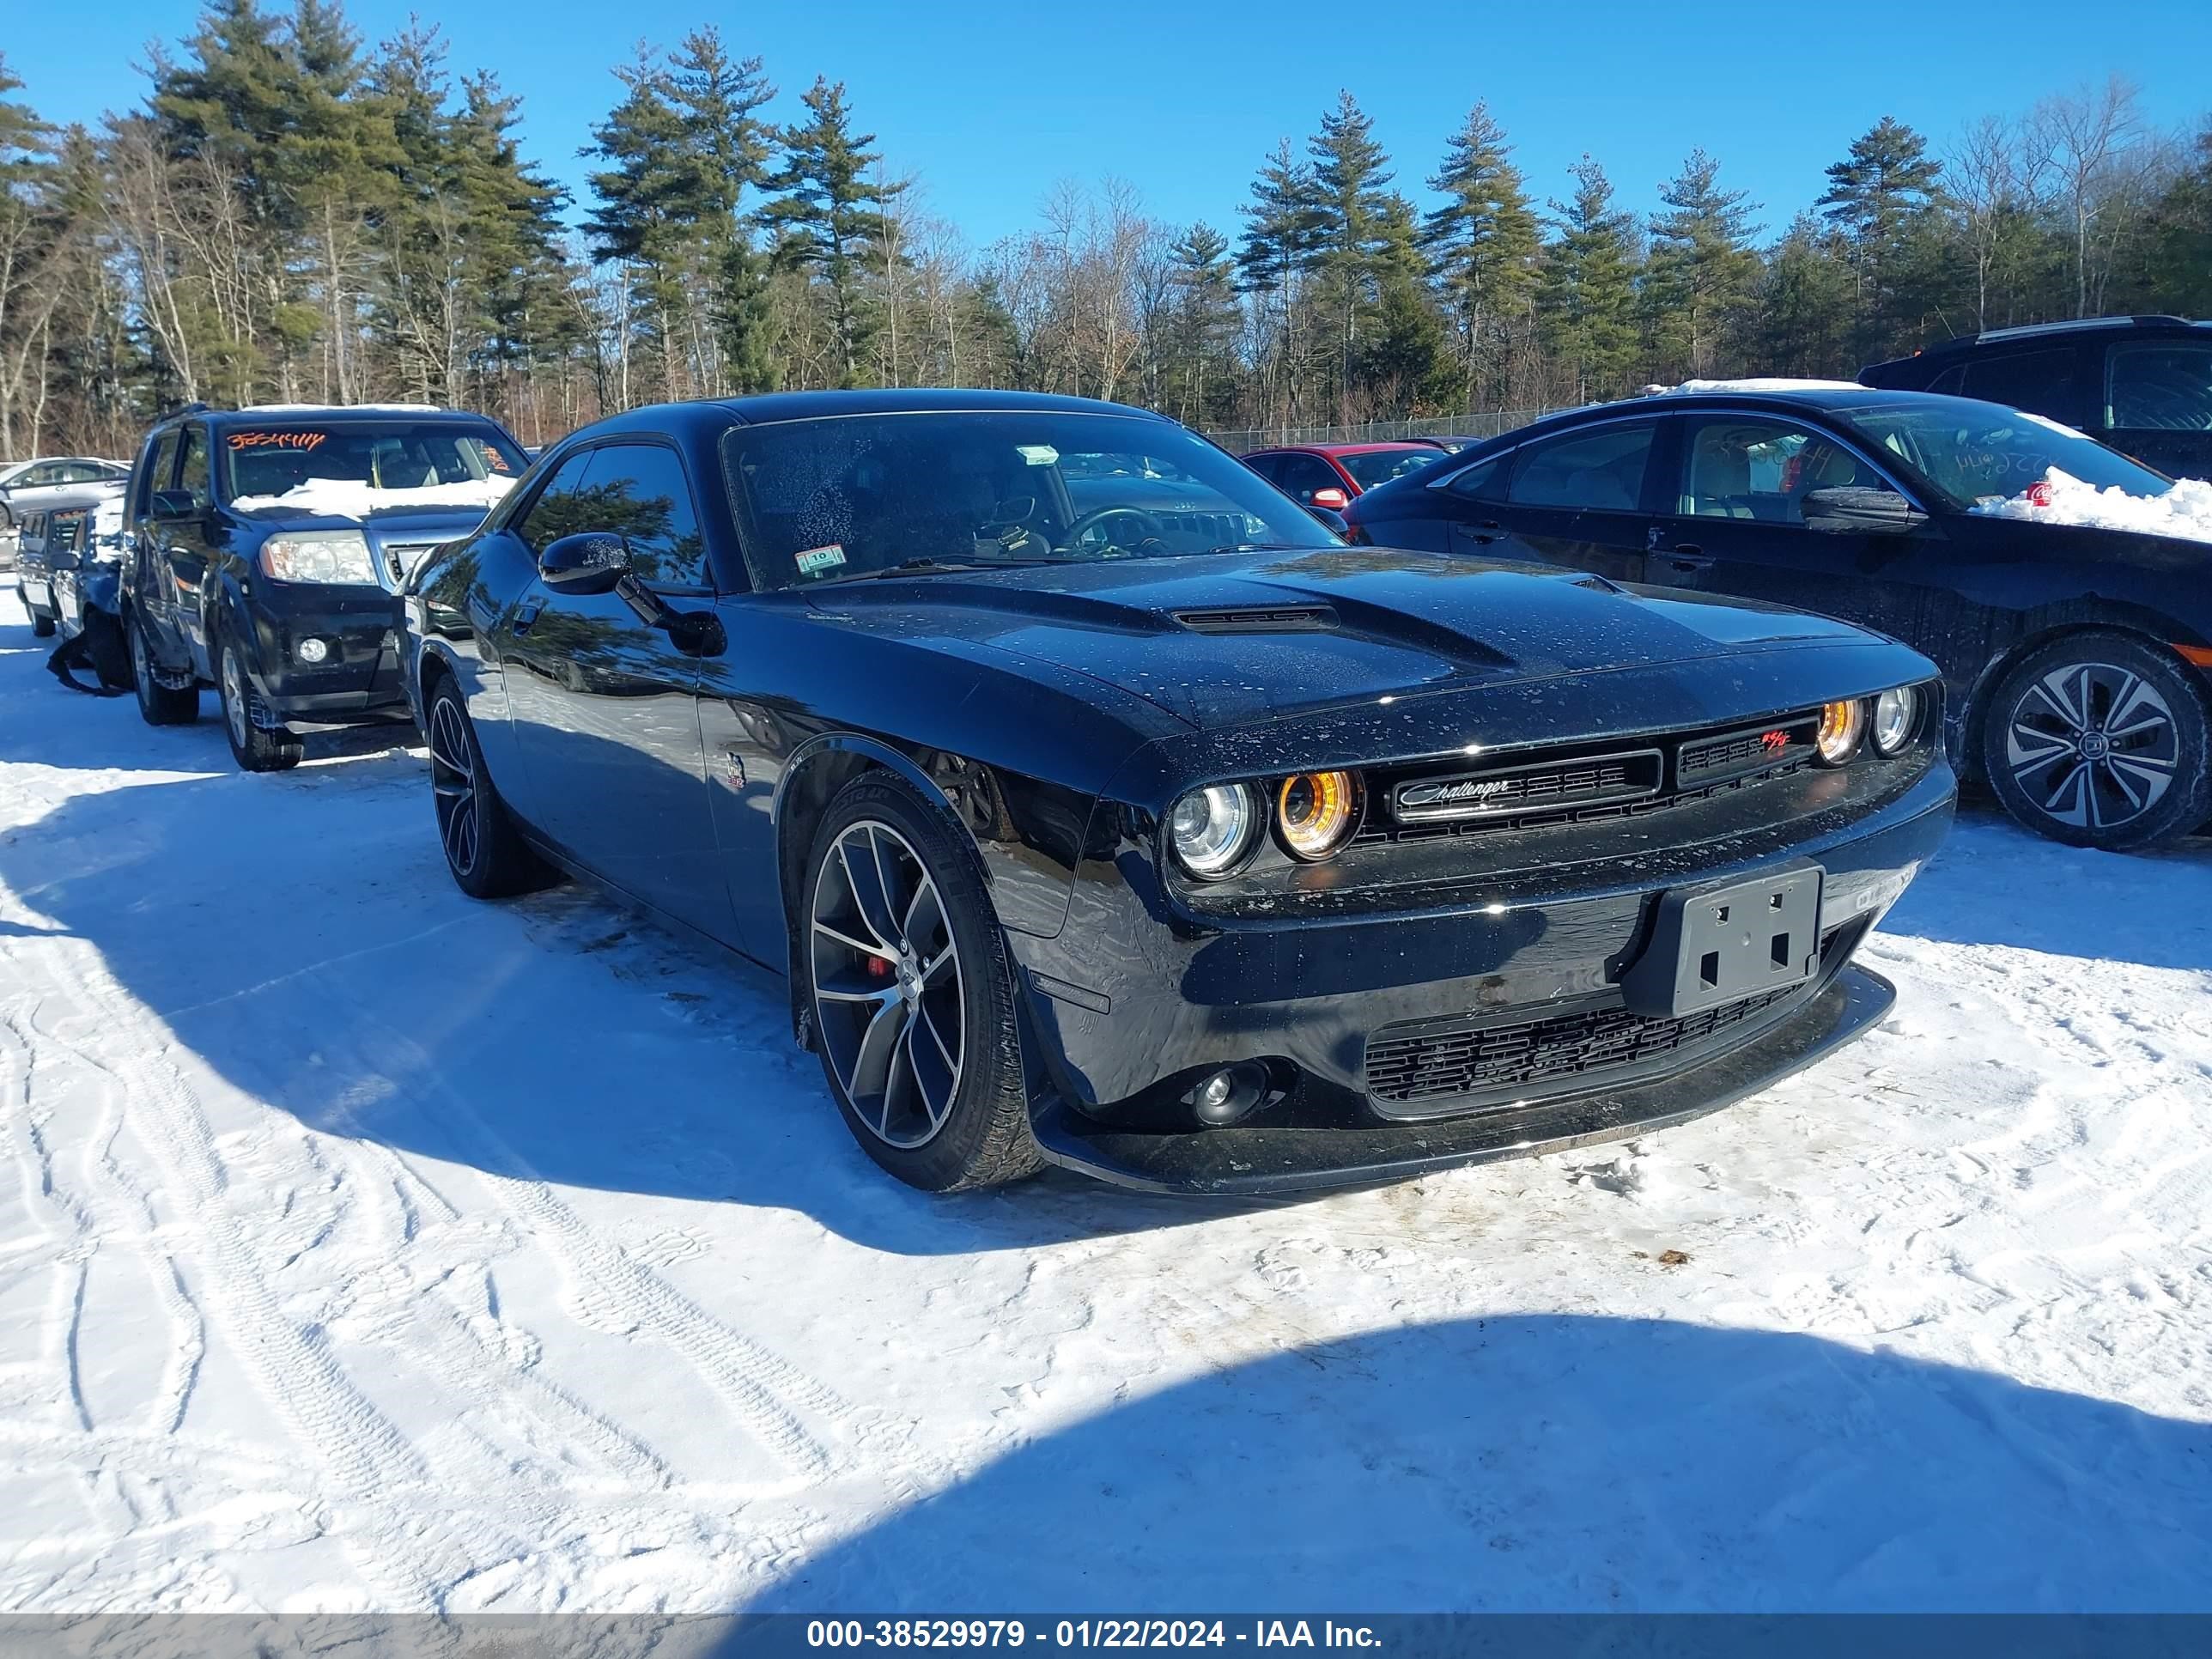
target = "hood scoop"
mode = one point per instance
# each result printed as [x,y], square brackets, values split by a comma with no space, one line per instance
[1258,619]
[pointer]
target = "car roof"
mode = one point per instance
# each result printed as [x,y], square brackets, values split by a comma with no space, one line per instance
[821,406]
[1379,444]
[1960,345]
[252,413]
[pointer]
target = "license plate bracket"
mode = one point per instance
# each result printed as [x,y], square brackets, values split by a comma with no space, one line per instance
[1730,940]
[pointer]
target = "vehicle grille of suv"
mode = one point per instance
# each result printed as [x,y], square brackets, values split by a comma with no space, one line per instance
[1583,786]
[400,557]
[1440,1061]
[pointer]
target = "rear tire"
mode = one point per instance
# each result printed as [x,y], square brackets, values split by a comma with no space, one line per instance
[900,943]
[158,704]
[2099,739]
[256,748]
[485,851]
[42,627]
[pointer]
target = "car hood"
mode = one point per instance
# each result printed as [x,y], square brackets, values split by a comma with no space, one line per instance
[1221,638]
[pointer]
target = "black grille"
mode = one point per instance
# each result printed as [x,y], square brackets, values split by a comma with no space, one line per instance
[1709,760]
[1442,1059]
[1585,789]
[1542,786]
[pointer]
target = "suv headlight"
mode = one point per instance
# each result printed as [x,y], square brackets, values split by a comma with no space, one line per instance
[319,556]
[1212,828]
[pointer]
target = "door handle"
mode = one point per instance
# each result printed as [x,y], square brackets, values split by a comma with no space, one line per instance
[527,612]
[1482,534]
[1688,558]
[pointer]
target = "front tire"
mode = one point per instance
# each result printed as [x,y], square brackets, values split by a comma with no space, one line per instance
[158,704]
[904,969]
[485,851]
[42,626]
[256,748]
[2099,739]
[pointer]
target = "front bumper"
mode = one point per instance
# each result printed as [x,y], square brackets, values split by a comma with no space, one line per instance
[1129,1013]
[358,680]
[1256,1162]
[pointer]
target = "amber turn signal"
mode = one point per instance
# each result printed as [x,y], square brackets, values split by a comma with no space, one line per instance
[1842,724]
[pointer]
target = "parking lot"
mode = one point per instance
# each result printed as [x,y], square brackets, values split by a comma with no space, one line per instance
[364,1246]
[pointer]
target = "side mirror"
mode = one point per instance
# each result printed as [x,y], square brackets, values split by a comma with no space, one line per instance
[1334,500]
[1855,511]
[1333,518]
[174,504]
[591,562]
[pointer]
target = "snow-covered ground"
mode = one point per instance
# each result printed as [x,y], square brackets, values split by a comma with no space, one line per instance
[363,1247]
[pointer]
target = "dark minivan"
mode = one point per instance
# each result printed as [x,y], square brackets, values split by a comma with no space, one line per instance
[268,545]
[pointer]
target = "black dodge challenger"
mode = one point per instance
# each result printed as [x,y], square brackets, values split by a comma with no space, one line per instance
[1105,810]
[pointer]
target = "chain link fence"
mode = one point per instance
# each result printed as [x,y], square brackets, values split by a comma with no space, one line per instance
[1240,440]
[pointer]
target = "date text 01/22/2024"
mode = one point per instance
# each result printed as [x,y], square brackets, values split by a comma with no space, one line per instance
[1085,1634]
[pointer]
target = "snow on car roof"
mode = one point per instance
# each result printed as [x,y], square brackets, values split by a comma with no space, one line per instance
[345,409]
[1773,383]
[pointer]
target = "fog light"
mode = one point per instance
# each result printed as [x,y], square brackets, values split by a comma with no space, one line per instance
[1231,1093]
[312,651]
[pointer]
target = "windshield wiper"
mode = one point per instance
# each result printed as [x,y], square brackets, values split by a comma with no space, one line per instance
[933,568]
[1262,547]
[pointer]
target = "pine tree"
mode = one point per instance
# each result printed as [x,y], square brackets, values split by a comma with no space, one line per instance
[1350,197]
[1587,303]
[1281,238]
[829,213]
[1404,361]
[1202,381]
[1698,282]
[1879,196]
[638,220]
[726,154]
[30,232]
[1483,240]
[1804,326]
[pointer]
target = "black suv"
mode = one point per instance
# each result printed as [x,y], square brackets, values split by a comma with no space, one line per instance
[2142,384]
[269,546]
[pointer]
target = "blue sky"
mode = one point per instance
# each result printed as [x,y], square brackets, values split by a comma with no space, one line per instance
[992,104]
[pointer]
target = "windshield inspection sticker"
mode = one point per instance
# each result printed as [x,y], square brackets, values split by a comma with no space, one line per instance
[1037,454]
[816,560]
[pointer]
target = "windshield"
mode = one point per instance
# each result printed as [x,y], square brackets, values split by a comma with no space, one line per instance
[261,464]
[1378,466]
[1973,451]
[832,498]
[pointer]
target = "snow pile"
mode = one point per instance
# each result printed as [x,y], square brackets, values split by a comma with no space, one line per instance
[2184,511]
[345,498]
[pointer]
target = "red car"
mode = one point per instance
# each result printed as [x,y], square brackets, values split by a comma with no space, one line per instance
[1330,475]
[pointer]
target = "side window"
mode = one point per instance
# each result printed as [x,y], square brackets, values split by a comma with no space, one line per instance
[1739,468]
[1266,465]
[2159,388]
[1951,383]
[1602,469]
[159,471]
[1299,475]
[643,496]
[559,509]
[83,471]
[46,473]
[2041,382]
[194,474]
[1484,482]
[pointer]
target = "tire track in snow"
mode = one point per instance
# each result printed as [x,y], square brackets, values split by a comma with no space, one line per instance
[370,1465]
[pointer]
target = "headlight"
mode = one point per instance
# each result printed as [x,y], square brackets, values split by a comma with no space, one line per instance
[319,556]
[1842,724]
[1896,711]
[1212,828]
[1316,812]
